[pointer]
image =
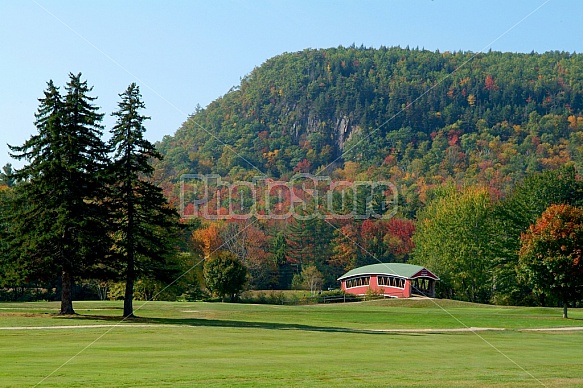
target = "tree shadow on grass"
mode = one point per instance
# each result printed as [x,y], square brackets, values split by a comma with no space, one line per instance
[198,322]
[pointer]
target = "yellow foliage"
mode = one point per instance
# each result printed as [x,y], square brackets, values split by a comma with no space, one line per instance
[575,122]
[464,81]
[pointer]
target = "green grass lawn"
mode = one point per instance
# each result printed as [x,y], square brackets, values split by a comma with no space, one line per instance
[209,344]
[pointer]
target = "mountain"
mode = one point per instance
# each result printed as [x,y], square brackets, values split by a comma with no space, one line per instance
[415,117]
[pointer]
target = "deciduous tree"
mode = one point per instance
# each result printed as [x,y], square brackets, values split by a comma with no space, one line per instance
[312,279]
[551,253]
[224,274]
[453,240]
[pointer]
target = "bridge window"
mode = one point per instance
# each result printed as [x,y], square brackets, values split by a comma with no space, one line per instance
[391,281]
[358,281]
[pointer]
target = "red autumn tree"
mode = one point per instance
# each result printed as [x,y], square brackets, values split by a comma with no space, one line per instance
[550,256]
[400,233]
[303,166]
[489,83]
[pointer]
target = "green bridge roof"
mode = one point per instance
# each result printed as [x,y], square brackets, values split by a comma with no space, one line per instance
[395,269]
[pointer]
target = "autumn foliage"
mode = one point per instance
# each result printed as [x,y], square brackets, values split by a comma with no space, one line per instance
[551,253]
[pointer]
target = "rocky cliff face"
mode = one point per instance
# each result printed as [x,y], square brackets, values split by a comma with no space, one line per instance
[311,122]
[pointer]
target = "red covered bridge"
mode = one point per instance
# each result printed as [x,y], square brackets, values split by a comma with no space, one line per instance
[391,279]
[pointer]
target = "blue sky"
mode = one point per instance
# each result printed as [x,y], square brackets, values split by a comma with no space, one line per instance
[184,53]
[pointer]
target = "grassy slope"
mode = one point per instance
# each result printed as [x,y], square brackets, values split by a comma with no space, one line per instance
[226,344]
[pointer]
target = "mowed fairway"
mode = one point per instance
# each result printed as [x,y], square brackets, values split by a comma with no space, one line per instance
[358,344]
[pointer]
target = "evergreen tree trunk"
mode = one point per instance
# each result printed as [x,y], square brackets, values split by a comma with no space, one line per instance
[67,292]
[128,302]
[128,308]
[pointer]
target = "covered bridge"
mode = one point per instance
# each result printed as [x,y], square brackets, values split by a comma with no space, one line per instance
[397,280]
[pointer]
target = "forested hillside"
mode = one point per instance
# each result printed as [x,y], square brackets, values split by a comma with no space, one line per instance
[468,140]
[415,117]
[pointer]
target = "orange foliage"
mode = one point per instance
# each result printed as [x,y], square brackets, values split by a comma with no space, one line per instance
[346,248]
[206,240]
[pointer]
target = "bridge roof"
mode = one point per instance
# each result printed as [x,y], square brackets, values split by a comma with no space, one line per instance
[408,271]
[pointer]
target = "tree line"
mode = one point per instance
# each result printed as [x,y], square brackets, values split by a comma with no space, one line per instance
[523,249]
[485,248]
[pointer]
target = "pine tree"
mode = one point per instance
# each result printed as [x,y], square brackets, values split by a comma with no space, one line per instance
[6,178]
[308,242]
[143,221]
[301,240]
[58,221]
[278,245]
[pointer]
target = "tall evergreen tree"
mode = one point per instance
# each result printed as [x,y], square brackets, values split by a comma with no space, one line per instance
[279,250]
[5,262]
[6,178]
[144,222]
[308,243]
[58,221]
[300,240]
